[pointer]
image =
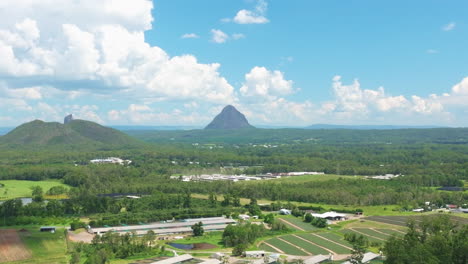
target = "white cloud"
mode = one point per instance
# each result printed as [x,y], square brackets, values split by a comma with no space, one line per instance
[461,88]
[99,47]
[189,36]
[449,27]
[253,17]
[218,36]
[261,82]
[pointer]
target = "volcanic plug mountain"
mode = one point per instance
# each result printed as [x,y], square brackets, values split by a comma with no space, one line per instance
[229,118]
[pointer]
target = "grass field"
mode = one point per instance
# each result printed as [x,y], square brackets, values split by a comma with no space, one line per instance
[297,223]
[46,248]
[16,189]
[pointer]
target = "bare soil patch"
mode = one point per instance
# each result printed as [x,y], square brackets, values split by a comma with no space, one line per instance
[11,246]
[199,246]
[84,237]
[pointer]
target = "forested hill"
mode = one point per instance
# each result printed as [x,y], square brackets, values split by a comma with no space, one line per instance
[325,136]
[77,135]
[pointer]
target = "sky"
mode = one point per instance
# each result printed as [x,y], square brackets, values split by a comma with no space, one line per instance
[280,62]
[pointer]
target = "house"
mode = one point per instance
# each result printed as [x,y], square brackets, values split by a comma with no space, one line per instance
[254,254]
[47,229]
[284,212]
[418,210]
[451,206]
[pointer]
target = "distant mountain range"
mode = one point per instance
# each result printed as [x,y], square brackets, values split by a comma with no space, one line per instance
[366,127]
[229,118]
[76,134]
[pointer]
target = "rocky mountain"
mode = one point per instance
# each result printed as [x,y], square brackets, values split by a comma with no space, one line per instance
[229,118]
[75,134]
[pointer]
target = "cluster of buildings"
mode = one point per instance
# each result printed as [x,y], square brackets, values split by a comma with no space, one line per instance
[168,229]
[242,177]
[111,160]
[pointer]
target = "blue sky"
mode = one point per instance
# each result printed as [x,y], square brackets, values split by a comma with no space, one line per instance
[178,62]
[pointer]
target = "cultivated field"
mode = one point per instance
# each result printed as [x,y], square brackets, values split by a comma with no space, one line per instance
[17,189]
[296,223]
[374,234]
[11,246]
[403,220]
[304,244]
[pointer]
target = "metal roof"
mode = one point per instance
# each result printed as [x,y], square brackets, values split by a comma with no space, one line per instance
[156,226]
[174,260]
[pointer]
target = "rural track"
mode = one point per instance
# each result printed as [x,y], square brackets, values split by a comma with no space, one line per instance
[364,234]
[285,241]
[332,241]
[273,247]
[310,242]
[291,224]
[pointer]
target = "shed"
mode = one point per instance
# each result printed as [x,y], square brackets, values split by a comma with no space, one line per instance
[255,254]
[48,229]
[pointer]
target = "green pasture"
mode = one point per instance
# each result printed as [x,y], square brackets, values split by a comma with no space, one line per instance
[11,189]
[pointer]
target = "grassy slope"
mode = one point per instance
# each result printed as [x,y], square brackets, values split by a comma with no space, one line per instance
[17,189]
[46,248]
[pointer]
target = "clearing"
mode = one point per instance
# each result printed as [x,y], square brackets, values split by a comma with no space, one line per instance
[11,189]
[11,246]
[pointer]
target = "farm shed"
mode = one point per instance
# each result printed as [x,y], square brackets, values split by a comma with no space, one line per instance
[47,229]
[255,254]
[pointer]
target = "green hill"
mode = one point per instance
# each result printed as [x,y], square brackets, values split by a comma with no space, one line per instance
[77,134]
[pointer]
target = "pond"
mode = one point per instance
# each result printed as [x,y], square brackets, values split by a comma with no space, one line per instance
[195,246]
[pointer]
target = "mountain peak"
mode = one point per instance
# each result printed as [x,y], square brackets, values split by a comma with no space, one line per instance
[229,118]
[68,119]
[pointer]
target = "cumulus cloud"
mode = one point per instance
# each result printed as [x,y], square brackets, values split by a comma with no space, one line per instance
[263,83]
[218,36]
[98,46]
[256,16]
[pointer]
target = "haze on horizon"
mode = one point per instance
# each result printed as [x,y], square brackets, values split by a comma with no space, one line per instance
[281,63]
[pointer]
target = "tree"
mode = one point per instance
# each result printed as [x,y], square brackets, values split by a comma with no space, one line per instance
[239,249]
[37,193]
[75,258]
[198,229]
[434,240]
[308,218]
[360,244]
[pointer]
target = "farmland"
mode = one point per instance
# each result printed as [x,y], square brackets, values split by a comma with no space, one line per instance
[11,246]
[403,220]
[297,224]
[11,189]
[41,247]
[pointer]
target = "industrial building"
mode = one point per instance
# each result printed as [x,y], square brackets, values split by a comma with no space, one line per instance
[176,227]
